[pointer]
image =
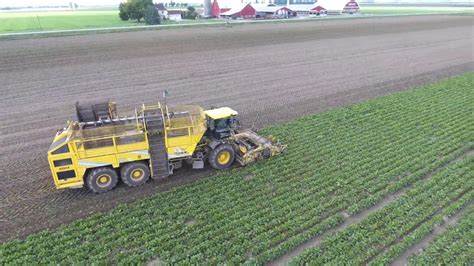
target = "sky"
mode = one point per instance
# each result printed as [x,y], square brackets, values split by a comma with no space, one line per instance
[22,3]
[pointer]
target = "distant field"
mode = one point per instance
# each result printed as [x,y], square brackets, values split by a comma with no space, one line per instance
[60,20]
[11,22]
[65,20]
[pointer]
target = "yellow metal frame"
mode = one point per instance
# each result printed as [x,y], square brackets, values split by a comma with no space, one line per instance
[86,158]
[222,112]
[182,134]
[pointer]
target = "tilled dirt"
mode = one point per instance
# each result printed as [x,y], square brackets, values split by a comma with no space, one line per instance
[269,72]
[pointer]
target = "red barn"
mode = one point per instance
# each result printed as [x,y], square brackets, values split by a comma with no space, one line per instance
[244,12]
[272,11]
[318,10]
[338,6]
[351,7]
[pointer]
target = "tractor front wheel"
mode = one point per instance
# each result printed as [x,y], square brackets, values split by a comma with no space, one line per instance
[222,156]
[102,179]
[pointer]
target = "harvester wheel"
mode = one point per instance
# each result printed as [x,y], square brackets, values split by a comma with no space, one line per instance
[135,174]
[222,156]
[102,179]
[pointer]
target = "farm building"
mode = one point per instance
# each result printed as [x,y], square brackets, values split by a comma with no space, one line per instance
[272,11]
[294,2]
[244,11]
[261,10]
[175,15]
[300,10]
[215,9]
[224,9]
[336,7]
[162,11]
[318,10]
[351,7]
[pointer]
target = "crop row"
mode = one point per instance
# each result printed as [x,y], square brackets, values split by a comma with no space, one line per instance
[385,234]
[344,160]
[453,247]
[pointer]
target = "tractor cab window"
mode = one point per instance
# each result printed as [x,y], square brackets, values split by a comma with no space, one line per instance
[220,128]
[222,123]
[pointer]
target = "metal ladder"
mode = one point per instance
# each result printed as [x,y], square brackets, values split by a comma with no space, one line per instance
[159,164]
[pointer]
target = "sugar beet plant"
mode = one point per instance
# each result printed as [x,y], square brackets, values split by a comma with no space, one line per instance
[343,160]
[387,233]
[453,247]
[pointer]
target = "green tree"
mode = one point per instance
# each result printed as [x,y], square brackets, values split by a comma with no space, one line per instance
[191,13]
[134,9]
[123,12]
[151,15]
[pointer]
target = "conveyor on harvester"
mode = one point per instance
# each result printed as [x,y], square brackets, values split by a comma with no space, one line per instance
[160,167]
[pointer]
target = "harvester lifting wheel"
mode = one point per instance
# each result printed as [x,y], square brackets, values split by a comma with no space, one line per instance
[135,174]
[102,179]
[222,156]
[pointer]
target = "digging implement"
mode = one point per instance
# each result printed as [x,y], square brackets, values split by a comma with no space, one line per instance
[252,147]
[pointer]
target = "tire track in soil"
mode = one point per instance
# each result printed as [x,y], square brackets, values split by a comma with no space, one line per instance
[118,75]
[425,242]
[84,50]
[302,89]
[353,219]
[274,77]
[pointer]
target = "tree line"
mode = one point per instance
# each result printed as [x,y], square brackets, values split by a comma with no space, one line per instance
[145,9]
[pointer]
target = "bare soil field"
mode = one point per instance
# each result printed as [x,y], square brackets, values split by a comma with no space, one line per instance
[269,72]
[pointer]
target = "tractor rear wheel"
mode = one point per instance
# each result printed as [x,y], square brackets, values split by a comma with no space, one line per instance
[222,156]
[102,179]
[135,174]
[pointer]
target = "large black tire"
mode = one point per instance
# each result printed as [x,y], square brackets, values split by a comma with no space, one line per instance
[135,174]
[222,156]
[102,179]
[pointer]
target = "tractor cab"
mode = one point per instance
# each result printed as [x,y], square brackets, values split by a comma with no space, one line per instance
[221,122]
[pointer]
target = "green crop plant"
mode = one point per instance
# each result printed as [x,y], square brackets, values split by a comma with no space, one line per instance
[452,247]
[385,234]
[339,161]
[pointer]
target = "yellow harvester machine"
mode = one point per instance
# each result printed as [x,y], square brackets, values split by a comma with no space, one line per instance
[101,147]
